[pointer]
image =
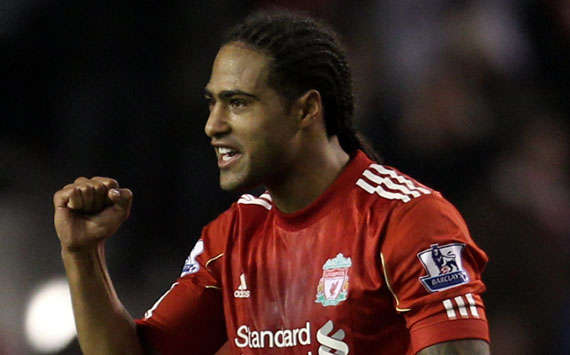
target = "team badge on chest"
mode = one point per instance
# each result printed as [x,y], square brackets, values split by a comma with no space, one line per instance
[333,285]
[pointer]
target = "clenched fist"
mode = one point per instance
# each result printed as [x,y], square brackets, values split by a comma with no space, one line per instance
[88,211]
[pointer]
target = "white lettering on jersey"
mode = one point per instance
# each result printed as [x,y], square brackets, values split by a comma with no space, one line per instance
[331,342]
[242,291]
[191,265]
[282,338]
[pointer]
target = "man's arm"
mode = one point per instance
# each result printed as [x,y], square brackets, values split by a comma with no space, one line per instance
[458,347]
[86,213]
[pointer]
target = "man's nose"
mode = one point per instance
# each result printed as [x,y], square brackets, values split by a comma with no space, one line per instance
[217,121]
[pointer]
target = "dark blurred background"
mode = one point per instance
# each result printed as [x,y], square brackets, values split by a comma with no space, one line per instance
[469,97]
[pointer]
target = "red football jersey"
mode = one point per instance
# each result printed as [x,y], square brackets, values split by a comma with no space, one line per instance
[379,263]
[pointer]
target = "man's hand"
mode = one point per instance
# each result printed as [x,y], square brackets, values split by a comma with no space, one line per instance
[88,211]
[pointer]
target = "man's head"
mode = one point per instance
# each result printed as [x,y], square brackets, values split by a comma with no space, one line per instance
[250,125]
[274,75]
[305,54]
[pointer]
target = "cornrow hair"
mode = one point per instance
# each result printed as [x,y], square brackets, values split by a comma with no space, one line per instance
[306,54]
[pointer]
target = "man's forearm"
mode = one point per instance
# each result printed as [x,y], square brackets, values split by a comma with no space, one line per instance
[103,324]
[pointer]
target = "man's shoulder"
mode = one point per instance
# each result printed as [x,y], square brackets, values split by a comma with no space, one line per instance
[384,185]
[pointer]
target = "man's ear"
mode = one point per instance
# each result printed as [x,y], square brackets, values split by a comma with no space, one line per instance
[309,108]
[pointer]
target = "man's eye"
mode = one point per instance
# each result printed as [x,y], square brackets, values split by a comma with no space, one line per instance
[238,103]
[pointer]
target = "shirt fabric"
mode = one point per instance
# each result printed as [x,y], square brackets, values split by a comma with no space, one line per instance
[378,264]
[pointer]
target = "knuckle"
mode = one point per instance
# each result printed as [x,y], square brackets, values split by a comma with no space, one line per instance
[80,179]
[99,186]
[85,188]
[105,180]
[57,196]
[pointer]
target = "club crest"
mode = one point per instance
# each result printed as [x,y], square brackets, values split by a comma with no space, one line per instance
[443,267]
[333,285]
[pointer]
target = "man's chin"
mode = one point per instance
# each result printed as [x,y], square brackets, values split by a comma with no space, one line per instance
[233,184]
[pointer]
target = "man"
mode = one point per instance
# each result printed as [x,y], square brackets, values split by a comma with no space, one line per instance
[336,255]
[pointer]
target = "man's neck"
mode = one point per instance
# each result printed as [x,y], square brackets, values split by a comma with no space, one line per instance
[312,175]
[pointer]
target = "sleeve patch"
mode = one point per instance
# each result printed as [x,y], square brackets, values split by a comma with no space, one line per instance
[443,266]
[191,265]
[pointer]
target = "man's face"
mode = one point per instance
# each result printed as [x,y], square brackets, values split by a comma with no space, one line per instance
[249,125]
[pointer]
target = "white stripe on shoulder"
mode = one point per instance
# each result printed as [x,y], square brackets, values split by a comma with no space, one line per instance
[383,170]
[389,184]
[248,199]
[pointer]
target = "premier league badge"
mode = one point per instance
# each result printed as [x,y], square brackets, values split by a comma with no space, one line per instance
[191,265]
[333,285]
[443,266]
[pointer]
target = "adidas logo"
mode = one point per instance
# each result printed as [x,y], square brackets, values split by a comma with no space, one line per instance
[242,291]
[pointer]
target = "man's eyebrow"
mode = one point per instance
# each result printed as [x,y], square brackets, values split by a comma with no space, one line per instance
[226,94]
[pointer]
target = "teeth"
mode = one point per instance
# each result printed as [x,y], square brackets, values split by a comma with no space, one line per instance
[224,150]
[225,153]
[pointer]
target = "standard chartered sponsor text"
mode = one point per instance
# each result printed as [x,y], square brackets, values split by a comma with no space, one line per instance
[282,338]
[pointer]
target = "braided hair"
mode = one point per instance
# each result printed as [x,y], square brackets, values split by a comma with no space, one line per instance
[306,55]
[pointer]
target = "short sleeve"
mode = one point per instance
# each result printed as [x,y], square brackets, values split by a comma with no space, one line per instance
[433,269]
[189,317]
